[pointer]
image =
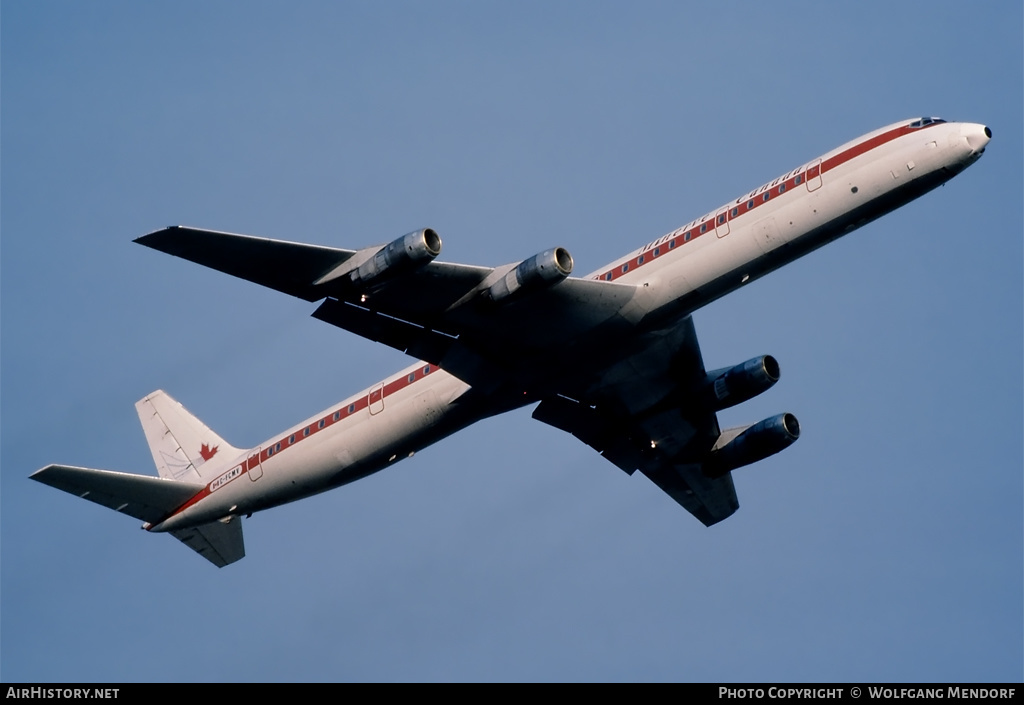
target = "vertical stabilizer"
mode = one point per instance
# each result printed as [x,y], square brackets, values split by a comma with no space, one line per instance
[183,447]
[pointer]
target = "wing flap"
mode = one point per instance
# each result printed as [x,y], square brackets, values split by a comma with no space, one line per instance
[146,498]
[422,343]
[597,431]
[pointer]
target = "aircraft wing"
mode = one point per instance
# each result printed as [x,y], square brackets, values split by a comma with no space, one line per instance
[627,444]
[647,414]
[435,312]
[285,266]
[295,268]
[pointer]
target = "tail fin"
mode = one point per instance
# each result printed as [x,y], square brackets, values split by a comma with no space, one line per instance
[183,447]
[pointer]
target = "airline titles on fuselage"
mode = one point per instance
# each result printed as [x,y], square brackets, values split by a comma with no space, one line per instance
[809,175]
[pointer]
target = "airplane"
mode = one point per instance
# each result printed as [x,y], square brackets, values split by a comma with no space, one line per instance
[612,358]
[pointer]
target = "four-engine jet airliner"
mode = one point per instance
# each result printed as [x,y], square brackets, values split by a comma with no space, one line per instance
[612,358]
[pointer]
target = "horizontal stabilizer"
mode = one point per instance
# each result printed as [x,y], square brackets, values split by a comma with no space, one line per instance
[149,499]
[218,542]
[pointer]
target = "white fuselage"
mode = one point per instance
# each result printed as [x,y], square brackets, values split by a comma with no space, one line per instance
[681,271]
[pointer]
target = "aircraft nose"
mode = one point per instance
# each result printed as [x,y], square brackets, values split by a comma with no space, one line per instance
[977,136]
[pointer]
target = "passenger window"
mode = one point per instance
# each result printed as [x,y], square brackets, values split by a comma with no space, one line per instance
[782,187]
[735,211]
[766,196]
[351,408]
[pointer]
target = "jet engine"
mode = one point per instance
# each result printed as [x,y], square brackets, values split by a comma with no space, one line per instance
[541,271]
[729,387]
[408,252]
[752,444]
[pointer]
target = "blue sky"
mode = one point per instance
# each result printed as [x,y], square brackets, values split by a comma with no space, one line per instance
[886,545]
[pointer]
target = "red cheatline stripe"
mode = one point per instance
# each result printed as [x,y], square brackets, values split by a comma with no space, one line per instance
[772,190]
[279,446]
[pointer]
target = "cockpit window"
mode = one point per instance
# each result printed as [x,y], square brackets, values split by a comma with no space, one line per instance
[925,121]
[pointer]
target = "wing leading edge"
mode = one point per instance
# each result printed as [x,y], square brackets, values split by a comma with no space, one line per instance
[436,312]
[297,269]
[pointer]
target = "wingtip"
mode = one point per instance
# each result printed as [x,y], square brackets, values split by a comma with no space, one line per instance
[142,239]
[41,474]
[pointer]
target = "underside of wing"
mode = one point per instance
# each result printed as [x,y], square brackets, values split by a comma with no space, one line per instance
[646,414]
[709,499]
[305,271]
[288,267]
[441,312]
[630,445]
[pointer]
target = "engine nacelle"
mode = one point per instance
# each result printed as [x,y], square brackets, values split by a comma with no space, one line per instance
[407,253]
[538,272]
[738,384]
[755,443]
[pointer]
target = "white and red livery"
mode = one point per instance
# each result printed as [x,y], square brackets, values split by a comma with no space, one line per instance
[612,358]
